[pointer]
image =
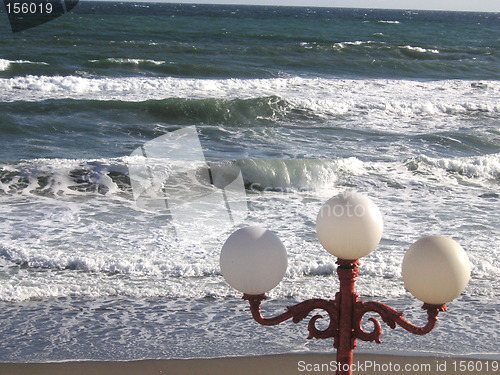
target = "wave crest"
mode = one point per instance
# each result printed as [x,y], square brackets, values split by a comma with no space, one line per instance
[109,177]
[6,64]
[309,98]
[479,167]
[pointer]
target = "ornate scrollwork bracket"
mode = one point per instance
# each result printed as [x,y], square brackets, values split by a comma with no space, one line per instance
[392,318]
[298,313]
[345,313]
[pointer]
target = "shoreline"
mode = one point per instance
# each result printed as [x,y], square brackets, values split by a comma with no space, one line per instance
[295,363]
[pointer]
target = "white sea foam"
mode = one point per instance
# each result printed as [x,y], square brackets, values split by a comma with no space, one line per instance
[55,177]
[341,45]
[135,263]
[484,167]
[5,64]
[77,177]
[419,49]
[58,242]
[297,174]
[377,99]
[129,61]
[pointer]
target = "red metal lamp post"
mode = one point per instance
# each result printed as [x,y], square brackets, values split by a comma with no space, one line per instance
[435,269]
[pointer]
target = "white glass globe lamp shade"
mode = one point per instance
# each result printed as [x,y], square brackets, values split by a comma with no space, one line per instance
[253,260]
[436,270]
[349,226]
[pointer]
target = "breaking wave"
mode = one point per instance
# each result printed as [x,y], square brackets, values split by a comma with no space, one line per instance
[238,101]
[59,177]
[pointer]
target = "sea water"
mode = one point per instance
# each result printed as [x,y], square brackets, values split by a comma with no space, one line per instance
[402,106]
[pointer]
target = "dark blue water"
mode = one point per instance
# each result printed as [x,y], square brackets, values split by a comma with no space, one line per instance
[259,42]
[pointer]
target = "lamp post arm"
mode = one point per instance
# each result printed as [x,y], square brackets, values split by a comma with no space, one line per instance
[298,313]
[392,318]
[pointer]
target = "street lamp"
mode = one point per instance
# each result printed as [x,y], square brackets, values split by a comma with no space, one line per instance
[349,226]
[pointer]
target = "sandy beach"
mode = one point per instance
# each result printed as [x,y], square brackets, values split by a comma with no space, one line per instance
[273,365]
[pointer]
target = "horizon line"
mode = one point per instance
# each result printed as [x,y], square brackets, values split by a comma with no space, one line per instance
[287,5]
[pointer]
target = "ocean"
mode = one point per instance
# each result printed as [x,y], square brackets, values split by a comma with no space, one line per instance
[303,103]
